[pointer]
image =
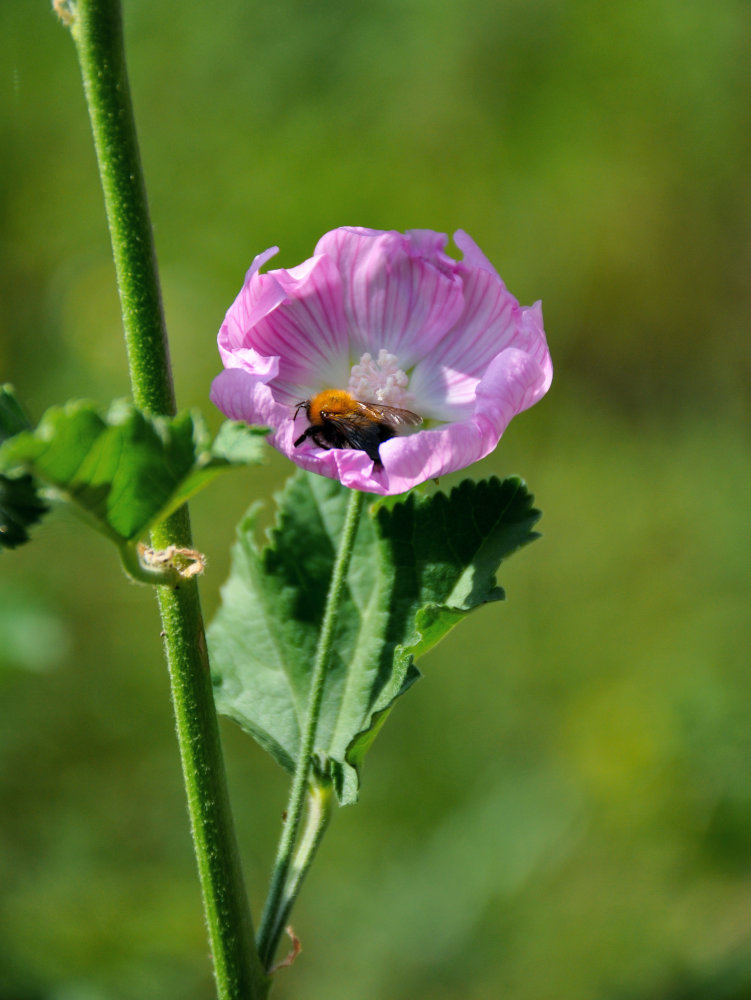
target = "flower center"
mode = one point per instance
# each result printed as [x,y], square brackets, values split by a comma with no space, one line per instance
[379,381]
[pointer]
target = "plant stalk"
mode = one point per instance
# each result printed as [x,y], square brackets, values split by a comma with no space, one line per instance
[96,26]
[281,896]
[318,816]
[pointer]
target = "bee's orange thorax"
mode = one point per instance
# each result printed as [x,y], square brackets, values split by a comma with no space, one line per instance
[336,401]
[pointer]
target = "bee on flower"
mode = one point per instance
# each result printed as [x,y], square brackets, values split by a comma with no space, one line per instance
[381,361]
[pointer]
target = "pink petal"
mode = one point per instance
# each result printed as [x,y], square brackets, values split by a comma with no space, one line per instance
[443,383]
[472,254]
[241,396]
[296,315]
[352,468]
[513,382]
[532,339]
[395,298]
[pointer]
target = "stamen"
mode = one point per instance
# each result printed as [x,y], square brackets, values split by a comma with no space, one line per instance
[379,381]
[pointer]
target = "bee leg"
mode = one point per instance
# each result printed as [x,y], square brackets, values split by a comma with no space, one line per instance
[306,434]
[314,433]
[319,438]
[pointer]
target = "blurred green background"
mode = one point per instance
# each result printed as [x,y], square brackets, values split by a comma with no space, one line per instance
[574,820]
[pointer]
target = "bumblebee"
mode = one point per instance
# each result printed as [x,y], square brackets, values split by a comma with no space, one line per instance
[338,420]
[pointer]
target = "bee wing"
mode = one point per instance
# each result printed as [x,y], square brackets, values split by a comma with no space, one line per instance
[360,431]
[392,416]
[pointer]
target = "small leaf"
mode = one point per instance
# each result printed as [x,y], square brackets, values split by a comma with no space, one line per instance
[12,418]
[418,567]
[236,444]
[20,504]
[125,470]
[20,508]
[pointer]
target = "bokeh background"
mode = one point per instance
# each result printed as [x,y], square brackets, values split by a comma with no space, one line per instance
[562,807]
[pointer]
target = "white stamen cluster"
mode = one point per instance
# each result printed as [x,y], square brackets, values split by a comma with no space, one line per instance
[379,381]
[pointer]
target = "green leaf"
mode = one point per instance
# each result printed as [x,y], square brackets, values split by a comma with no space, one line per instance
[20,508]
[236,444]
[12,418]
[20,504]
[125,470]
[418,567]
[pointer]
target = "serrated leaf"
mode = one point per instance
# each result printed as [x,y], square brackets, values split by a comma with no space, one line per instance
[12,418]
[126,469]
[20,508]
[20,504]
[418,567]
[236,444]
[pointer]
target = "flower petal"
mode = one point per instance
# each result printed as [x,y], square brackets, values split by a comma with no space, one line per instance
[255,300]
[443,384]
[513,382]
[241,396]
[398,295]
[296,315]
[532,340]
[472,255]
[352,468]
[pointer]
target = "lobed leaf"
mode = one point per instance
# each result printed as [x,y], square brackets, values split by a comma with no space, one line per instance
[12,418]
[20,503]
[125,470]
[418,567]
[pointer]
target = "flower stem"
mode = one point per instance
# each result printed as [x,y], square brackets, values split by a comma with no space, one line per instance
[96,26]
[286,883]
[318,816]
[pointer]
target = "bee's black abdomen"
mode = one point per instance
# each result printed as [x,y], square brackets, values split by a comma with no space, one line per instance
[361,435]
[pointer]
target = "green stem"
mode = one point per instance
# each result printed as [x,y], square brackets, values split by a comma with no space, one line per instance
[98,34]
[318,816]
[237,967]
[96,26]
[272,921]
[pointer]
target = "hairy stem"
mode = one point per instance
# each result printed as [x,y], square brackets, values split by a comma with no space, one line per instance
[318,815]
[97,32]
[280,898]
[96,26]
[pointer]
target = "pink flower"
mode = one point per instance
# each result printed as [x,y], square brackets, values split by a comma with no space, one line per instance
[393,320]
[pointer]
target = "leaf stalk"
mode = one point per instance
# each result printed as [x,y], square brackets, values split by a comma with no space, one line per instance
[319,802]
[287,876]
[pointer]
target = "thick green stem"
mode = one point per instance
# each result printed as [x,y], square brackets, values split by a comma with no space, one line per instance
[238,971]
[272,923]
[96,26]
[98,34]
